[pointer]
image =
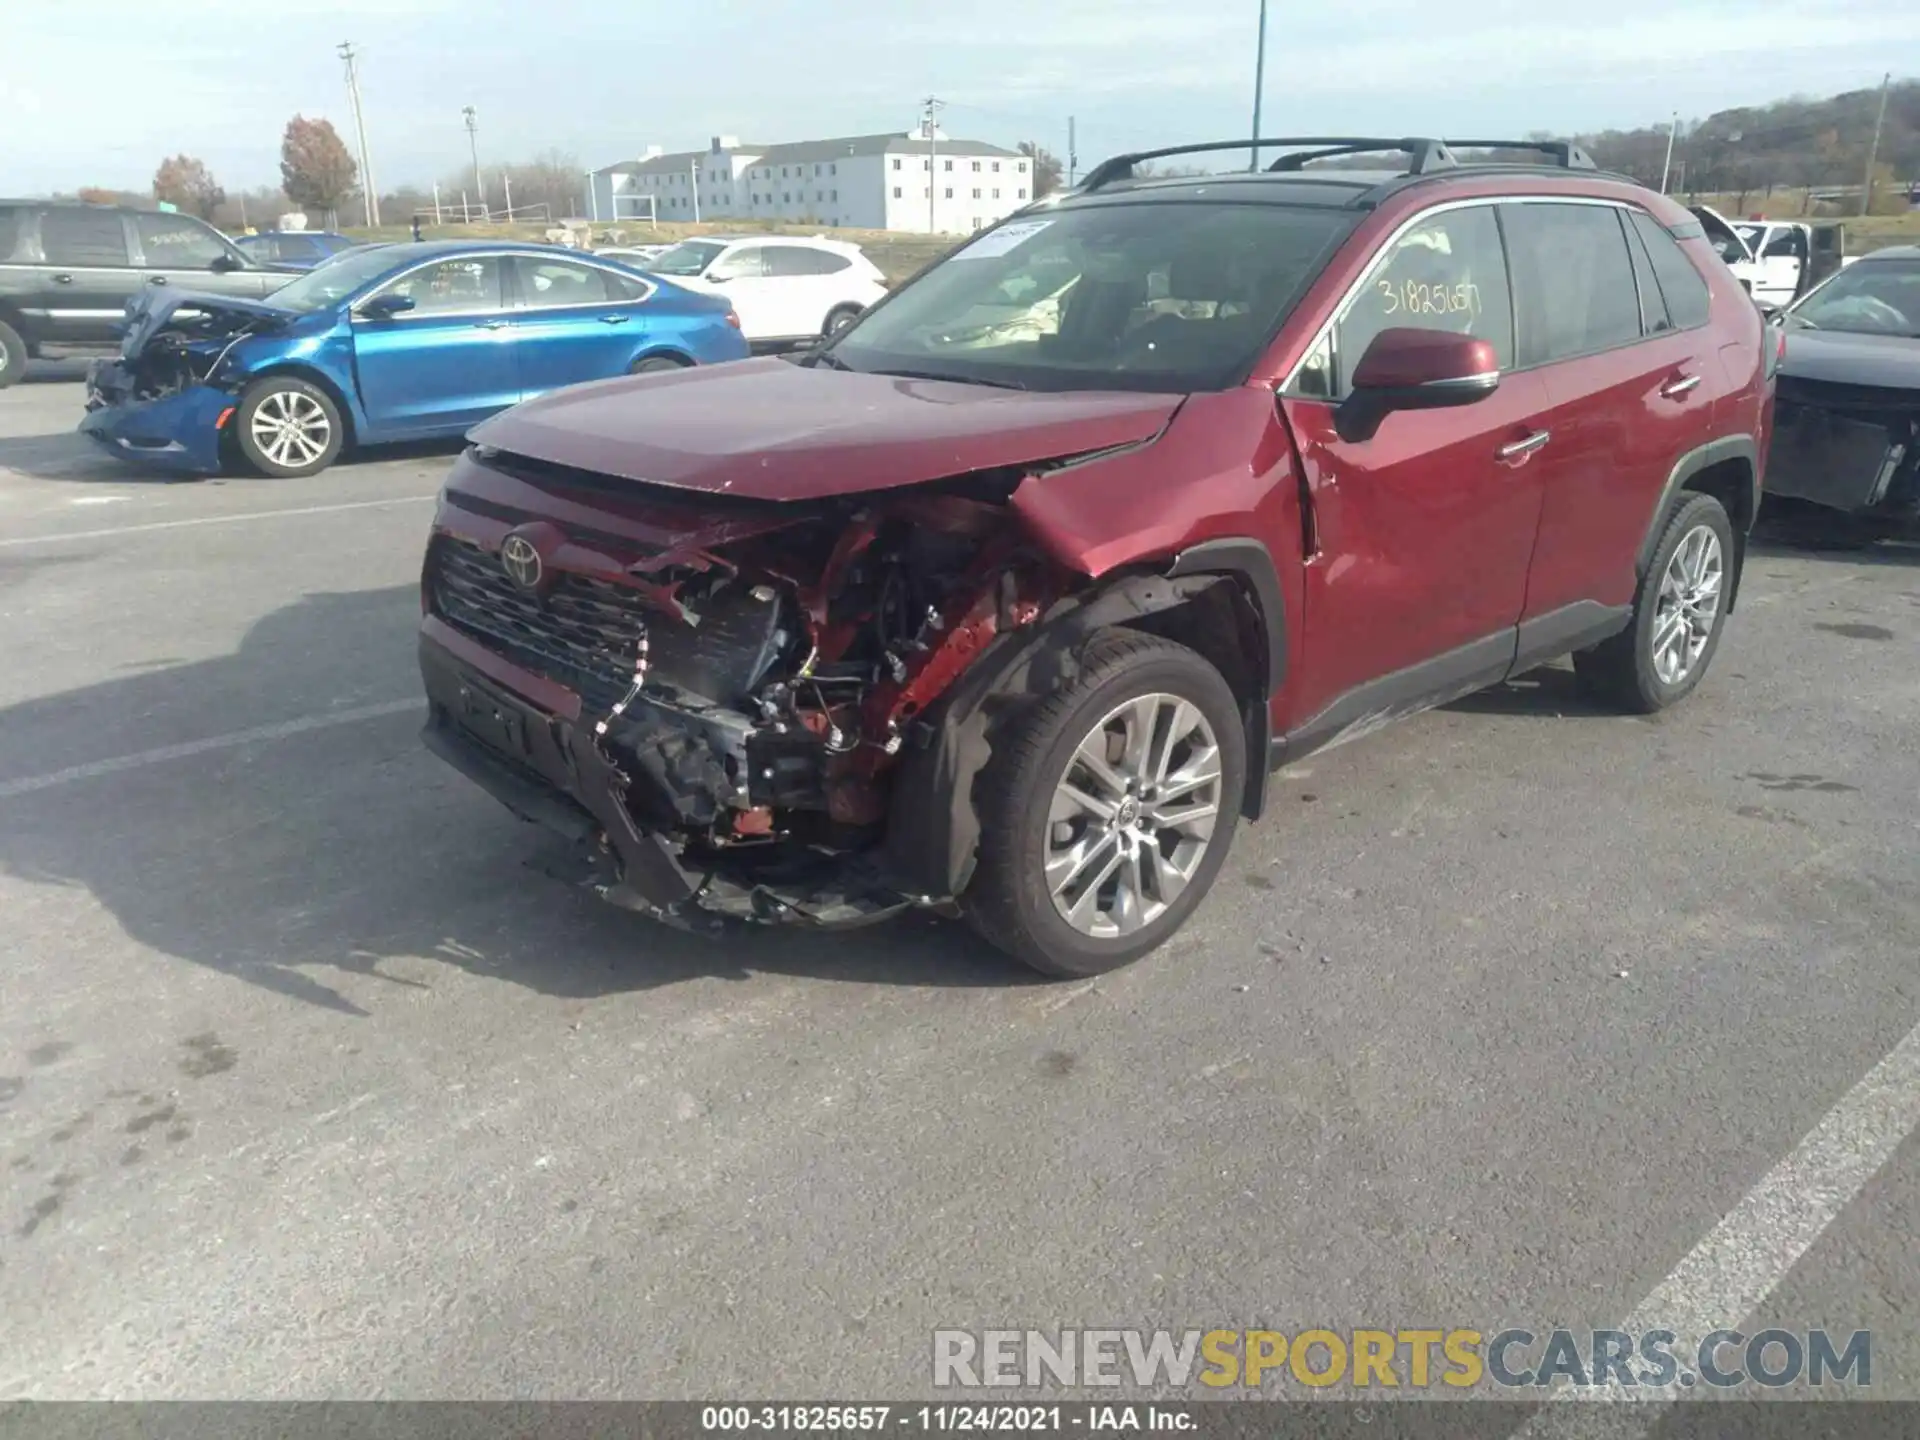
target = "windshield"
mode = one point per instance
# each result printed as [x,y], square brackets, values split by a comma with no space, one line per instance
[1869,297]
[689,257]
[1163,296]
[334,281]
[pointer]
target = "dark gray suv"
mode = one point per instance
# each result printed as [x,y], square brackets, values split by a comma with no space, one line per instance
[67,271]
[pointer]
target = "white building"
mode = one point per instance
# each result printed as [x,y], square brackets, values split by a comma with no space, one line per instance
[877,182]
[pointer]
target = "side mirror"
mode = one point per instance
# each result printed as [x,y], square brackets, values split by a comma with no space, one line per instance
[1769,312]
[224,264]
[1408,369]
[385,307]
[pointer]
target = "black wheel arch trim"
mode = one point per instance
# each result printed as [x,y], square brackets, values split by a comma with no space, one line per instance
[933,829]
[1714,452]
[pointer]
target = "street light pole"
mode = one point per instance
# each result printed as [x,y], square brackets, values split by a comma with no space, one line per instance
[1666,166]
[472,118]
[933,155]
[1259,83]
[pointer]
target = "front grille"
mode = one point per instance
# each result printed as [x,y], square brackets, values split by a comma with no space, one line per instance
[581,633]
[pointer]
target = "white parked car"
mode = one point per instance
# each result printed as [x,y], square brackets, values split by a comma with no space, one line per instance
[641,257]
[785,288]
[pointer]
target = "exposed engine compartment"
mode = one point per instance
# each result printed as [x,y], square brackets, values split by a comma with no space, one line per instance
[753,681]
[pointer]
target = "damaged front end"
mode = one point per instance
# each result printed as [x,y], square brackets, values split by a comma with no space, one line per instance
[165,399]
[1847,446]
[720,689]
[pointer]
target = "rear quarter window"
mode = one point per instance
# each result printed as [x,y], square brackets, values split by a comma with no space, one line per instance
[83,237]
[12,232]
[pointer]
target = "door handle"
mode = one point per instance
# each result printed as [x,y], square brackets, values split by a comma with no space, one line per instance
[1518,450]
[63,279]
[613,319]
[1674,389]
[156,279]
[490,325]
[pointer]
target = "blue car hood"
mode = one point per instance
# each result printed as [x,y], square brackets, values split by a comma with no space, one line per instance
[149,313]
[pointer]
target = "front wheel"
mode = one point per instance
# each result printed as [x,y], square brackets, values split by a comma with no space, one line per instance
[13,355]
[1678,613]
[1108,810]
[288,427]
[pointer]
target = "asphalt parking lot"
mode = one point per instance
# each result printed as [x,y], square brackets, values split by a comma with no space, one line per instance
[314,1080]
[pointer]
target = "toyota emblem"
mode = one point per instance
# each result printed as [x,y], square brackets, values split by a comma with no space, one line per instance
[521,562]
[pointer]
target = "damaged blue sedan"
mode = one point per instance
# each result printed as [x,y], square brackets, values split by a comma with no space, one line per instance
[403,342]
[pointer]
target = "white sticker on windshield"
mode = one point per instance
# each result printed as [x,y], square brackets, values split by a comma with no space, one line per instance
[1007,237]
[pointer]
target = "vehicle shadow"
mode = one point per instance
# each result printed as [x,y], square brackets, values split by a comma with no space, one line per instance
[1546,690]
[70,456]
[294,861]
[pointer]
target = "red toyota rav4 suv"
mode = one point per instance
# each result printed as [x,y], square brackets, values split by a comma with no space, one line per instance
[1006,600]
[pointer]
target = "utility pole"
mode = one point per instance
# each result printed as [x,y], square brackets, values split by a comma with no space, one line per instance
[1073,155]
[927,124]
[1666,166]
[369,192]
[1873,150]
[472,117]
[1259,83]
[693,177]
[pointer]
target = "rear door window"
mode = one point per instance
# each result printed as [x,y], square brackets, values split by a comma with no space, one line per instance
[83,237]
[548,283]
[1448,272]
[1573,280]
[10,232]
[1681,286]
[173,242]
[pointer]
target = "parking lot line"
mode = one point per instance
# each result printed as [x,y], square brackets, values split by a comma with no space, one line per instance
[212,520]
[93,769]
[1743,1259]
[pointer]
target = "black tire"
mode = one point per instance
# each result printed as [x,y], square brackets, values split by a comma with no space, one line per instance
[655,365]
[1008,901]
[838,319]
[1622,670]
[13,356]
[299,400]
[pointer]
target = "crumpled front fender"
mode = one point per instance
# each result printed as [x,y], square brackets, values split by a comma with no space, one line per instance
[180,433]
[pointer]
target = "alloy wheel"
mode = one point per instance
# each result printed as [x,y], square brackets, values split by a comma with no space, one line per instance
[1687,605]
[290,428]
[1133,816]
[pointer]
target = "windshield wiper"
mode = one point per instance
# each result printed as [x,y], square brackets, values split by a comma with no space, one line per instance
[954,379]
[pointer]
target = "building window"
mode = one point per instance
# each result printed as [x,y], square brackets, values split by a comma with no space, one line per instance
[926,164]
[976,192]
[834,195]
[976,167]
[785,198]
[996,194]
[896,189]
[896,162]
[949,192]
[833,169]
[1021,166]
[948,164]
[1021,192]
[996,167]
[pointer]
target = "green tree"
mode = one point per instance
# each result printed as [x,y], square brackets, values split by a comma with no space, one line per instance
[1046,168]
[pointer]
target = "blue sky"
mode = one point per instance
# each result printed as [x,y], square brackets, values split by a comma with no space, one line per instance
[97,93]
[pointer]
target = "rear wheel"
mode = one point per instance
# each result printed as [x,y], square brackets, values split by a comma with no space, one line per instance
[655,365]
[838,319]
[13,355]
[287,427]
[1678,614]
[1107,813]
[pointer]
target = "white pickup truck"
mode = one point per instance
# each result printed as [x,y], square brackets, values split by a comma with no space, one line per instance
[1777,260]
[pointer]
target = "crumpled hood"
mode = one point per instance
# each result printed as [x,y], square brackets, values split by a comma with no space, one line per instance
[149,312]
[1838,357]
[773,430]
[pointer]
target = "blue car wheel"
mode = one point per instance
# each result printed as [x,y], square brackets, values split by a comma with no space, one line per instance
[287,427]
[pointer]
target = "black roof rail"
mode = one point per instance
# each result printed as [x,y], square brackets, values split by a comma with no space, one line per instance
[1423,156]
[1426,154]
[1564,153]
